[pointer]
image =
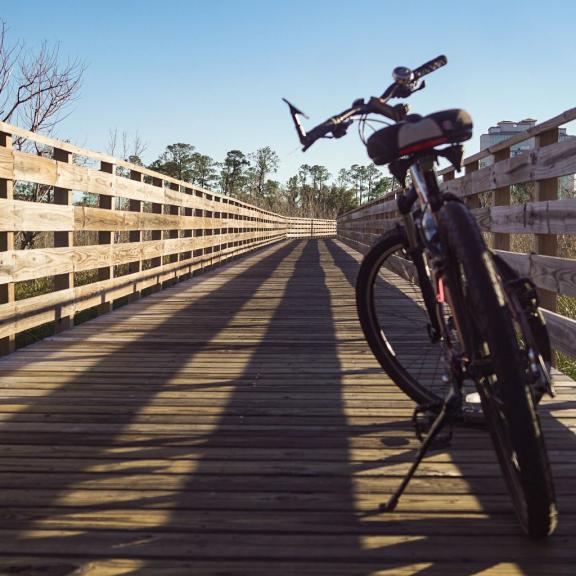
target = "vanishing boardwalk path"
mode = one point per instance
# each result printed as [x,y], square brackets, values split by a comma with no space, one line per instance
[237,424]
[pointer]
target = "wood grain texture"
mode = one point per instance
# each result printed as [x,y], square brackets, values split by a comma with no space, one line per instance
[310,228]
[135,220]
[17,316]
[548,272]
[239,424]
[536,165]
[546,217]
[70,174]
[536,130]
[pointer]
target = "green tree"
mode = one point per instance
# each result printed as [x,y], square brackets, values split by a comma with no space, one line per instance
[383,187]
[357,176]
[264,162]
[204,170]
[233,173]
[342,199]
[176,161]
[292,195]
[371,176]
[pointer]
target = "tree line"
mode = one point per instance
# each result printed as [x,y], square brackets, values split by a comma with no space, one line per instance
[311,192]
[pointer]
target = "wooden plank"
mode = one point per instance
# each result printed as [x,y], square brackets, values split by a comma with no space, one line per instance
[71,176]
[189,432]
[562,332]
[135,236]
[536,130]
[6,157]
[32,168]
[17,215]
[555,217]
[107,208]
[548,272]
[20,265]
[25,314]
[540,164]
[473,202]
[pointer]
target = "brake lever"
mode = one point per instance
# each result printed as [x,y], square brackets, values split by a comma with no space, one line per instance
[396,90]
[341,129]
[396,112]
[420,86]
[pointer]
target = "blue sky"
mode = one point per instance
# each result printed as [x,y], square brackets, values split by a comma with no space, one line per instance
[212,73]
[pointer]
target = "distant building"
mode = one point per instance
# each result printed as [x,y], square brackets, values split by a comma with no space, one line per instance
[508,129]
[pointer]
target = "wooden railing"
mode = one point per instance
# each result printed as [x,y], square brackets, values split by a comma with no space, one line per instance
[493,191]
[311,228]
[108,229]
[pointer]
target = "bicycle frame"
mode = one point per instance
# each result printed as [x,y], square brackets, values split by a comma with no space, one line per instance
[421,230]
[423,237]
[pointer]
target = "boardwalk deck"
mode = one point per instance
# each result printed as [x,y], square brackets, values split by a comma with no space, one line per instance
[238,424]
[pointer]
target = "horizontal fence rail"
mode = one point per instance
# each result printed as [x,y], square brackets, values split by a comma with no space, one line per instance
[525,204]
[105,229]
[311,228]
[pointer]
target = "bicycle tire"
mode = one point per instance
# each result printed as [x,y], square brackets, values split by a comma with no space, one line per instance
[503,385]
[394,351]
[378,300]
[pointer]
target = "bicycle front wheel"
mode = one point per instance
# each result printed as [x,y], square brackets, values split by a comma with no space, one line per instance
[395,320]
[396,323]
[501,371]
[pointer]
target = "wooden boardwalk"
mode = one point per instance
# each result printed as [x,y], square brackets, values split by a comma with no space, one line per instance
[238,424]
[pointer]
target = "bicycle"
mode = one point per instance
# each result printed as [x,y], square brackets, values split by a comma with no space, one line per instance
[464,309]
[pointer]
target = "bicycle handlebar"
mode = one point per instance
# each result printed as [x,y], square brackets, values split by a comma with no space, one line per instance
[429,67]
[405,83]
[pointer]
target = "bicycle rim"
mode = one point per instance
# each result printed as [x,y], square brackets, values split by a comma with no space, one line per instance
[395,321]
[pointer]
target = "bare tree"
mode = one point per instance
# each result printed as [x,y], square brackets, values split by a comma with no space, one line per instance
[36,89]
[128,147]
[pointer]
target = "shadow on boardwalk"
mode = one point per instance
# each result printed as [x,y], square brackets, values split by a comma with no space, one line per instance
[255,474]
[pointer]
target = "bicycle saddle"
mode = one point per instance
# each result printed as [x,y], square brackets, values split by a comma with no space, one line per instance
[416,133]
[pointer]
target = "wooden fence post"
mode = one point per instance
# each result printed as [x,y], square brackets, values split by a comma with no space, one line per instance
[156,234]
[65,281]
[173,211]
[187,233]
[547,189]
[502,198]
[473,201]
[106,237]
[8,343]
[135,236]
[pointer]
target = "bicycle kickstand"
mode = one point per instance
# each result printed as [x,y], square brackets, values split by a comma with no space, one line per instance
[438,424]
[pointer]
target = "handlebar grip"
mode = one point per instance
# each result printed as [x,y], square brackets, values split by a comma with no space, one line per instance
[430,66]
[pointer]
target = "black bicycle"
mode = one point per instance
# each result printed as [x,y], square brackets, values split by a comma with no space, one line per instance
[455,327]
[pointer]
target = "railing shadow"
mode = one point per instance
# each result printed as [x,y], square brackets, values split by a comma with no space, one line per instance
[266,479]
[98,432]
[292,501]
[470,452]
